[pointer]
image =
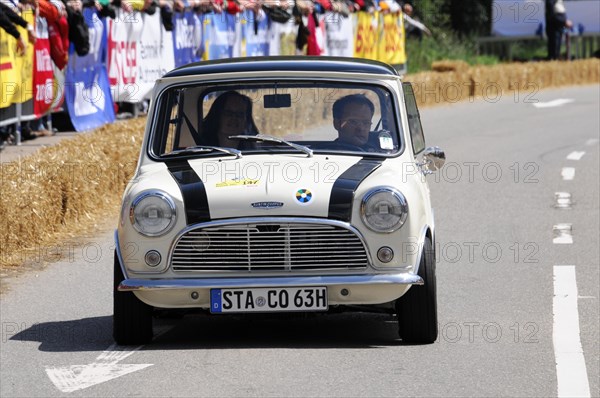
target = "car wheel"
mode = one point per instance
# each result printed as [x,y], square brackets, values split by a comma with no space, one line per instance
[132,319]
[417,309]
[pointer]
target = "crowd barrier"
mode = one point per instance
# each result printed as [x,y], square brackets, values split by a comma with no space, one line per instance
[128,53]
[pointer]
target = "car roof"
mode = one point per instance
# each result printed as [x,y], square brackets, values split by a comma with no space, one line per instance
[284,63]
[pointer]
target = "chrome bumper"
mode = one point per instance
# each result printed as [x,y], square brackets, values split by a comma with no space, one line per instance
[129,285]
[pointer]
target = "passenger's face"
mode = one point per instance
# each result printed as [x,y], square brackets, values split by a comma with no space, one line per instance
[355,124]
[233,120]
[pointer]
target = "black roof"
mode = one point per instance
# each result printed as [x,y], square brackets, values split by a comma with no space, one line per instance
[284,63]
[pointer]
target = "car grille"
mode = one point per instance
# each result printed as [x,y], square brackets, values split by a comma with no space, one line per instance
[269,247]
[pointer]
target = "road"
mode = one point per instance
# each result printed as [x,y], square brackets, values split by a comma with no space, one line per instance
[518,293]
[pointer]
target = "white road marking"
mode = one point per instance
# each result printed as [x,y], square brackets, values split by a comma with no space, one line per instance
[553,103]
[571,371]
[563,200]
[568,173]
[576,155]
[592,142]
[105,368]
[562,234]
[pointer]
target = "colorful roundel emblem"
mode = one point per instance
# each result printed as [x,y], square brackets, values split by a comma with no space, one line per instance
[303,196]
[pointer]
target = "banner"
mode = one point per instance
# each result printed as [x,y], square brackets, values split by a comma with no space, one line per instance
[365,44]
[527,17]
[220,35]
[25,67]
[188,37]
[155,56]
[43,71]
[124,33]
[391,39]
[340,39]
[255,31]
[9,74]
[87,90]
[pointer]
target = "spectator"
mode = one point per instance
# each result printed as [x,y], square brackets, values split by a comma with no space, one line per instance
[556,21]
[8,20]
[412,25]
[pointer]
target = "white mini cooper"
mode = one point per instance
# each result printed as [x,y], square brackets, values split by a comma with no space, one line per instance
[288,184]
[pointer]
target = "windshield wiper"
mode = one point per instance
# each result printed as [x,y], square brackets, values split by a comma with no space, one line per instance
[202,149]
[269,138]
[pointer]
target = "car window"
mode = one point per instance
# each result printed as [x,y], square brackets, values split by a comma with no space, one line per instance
[414,119]
[364,119]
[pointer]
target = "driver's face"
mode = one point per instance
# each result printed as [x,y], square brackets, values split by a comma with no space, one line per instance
[355,124]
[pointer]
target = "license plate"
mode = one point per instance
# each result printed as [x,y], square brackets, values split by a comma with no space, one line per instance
[282,299]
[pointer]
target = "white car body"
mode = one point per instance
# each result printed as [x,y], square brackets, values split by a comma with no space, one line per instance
[221,198]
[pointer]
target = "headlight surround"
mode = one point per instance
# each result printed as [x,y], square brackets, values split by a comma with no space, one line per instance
[384,210]
[152,213]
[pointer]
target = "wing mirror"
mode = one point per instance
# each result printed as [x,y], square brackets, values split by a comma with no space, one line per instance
[433,159]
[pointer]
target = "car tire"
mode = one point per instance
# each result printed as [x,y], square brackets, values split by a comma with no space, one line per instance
[417,309]
[132,319]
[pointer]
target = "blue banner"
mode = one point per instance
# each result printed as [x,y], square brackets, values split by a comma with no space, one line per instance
[221,35]
[256,33]
[188,43]
[87,91]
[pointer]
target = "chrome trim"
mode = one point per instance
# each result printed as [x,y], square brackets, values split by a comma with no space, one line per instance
[174,284]
[269,220]
[401,198]
[421,245]
[160,194]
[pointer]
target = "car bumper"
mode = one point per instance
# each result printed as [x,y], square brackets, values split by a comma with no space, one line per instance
[341,290]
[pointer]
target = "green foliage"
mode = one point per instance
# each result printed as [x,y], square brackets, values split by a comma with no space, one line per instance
[441,46]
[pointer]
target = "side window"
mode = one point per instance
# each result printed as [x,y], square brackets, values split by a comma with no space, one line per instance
[414,119]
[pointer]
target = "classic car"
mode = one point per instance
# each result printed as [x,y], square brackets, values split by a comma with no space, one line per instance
[279,184]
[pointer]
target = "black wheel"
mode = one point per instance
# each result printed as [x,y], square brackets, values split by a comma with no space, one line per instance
[417,309]
[132,319]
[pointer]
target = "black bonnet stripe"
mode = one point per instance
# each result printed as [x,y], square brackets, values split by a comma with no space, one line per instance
[342,193]
[192,189]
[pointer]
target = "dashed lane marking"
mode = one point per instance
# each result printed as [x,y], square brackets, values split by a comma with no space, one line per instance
[575,155]
[568,173]
[571,371]
[562,234]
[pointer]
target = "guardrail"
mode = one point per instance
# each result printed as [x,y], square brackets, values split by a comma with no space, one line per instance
[577,46]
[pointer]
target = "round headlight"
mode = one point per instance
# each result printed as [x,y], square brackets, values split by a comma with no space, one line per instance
[384,210]
[152,213]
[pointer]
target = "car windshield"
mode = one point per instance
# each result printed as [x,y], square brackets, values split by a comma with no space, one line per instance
[281,117]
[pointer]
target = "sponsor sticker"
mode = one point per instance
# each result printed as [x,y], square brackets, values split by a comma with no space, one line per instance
[237,182]
[304,196]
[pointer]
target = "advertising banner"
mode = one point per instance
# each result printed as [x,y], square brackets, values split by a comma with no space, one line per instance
[220,35]
[155,56]
[9,74]
[391,39]
[124,33]
[365,43]
[87,89]
[188,38]
[256,34]
[339,35]
[527,17]
[43,71]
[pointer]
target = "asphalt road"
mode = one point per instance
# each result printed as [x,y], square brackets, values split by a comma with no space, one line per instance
[507,311]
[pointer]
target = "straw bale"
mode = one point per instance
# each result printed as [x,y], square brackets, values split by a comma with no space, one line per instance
[449,66]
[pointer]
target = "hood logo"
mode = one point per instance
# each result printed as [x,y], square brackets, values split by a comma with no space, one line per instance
[303,196]
[267,205]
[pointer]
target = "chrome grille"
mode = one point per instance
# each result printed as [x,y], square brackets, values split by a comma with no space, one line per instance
[269,247]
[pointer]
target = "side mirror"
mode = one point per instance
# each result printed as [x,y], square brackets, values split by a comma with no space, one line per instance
[433,159]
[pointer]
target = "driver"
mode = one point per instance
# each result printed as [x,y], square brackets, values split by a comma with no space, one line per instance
[352,116]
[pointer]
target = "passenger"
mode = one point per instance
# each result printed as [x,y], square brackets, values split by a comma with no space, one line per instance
[352,117]
[230,114]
